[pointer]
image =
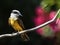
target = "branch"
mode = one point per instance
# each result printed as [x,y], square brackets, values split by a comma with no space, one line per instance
[32,29]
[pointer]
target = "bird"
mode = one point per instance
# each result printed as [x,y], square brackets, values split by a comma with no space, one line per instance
[16,23]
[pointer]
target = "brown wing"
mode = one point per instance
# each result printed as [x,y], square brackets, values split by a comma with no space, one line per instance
[21,23]
[23,35]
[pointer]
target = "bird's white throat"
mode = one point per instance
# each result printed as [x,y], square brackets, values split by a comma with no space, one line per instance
[14,16]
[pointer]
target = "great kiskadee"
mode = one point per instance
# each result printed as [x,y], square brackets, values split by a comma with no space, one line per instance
[17,24]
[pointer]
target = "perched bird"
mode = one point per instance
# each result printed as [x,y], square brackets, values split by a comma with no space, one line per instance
[17,24]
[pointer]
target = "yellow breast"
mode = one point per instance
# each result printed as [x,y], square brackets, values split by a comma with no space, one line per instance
[11,21]
[15,24]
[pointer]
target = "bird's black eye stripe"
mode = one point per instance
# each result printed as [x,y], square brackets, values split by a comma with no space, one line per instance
[15,12]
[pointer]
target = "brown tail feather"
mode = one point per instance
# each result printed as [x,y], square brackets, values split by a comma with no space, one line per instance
[25,37]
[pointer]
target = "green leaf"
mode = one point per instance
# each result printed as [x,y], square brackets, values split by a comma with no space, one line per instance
[58,16]
[46,4]
[47,31]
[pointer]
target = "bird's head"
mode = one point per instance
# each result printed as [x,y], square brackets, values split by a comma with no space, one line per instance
[15,13]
